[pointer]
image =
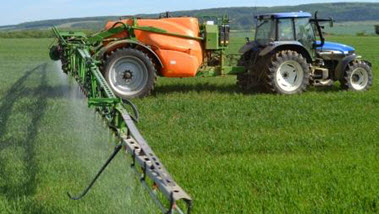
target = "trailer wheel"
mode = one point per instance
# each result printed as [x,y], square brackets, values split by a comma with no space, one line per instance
[54,53]
[357,76]
[287,72]
[130,73]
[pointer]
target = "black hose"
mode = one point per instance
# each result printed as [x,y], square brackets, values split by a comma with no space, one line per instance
[122,23]
[135,110]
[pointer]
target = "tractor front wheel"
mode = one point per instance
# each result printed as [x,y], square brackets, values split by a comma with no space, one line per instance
[357,76]
[130,73]
[287,73]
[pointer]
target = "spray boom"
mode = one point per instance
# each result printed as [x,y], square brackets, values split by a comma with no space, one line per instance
[73,51]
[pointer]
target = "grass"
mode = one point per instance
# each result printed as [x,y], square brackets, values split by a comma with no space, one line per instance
[352,28]
[50,142]
[232,152]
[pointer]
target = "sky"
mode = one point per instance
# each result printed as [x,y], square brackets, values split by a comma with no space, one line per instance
[18,11]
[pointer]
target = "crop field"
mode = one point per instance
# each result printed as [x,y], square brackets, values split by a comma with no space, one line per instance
[232,152]
[352,28]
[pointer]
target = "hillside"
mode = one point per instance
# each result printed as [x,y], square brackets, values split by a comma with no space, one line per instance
[241,16]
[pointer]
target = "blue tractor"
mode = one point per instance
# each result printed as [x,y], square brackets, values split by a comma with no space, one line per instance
[289,53]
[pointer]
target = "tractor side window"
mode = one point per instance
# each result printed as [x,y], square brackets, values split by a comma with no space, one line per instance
[285,31]
[265,32]
[304,32]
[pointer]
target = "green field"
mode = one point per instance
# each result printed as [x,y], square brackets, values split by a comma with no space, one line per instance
[352,28]
[232,152]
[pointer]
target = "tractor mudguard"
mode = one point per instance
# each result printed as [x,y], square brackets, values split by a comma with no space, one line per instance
[289,45]
[121,43]
[368,63]
[338,73]
[247,47]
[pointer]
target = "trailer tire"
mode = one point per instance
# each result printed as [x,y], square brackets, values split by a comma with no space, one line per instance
[357,76]
[130,73]
[286,72]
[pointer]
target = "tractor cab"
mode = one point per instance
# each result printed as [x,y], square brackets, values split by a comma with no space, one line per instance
[297,28]
[285,27]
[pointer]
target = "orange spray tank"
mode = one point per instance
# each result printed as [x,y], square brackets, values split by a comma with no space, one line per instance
[181,57]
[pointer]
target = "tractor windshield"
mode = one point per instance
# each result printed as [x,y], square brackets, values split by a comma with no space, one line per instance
[265,31]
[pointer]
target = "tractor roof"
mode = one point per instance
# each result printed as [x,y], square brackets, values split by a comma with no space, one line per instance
[285,15]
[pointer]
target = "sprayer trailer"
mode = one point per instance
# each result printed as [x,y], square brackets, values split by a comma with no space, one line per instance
[288,54]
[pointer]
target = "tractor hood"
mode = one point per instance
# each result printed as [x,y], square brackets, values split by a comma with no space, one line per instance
[336,47]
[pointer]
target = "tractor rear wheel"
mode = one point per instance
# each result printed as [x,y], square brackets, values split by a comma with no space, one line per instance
[249,82]
[287,72]
[357,76]
[243,81]
[130,73]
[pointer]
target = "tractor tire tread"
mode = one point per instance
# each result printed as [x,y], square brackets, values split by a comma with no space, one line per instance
[345,81]
[272,65]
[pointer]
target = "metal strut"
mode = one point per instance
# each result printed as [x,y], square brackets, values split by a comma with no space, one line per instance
[115,152]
